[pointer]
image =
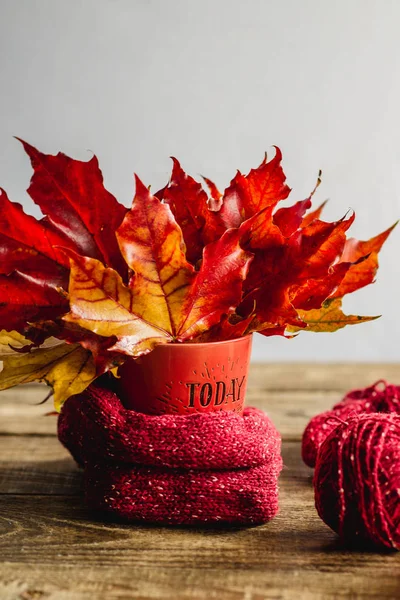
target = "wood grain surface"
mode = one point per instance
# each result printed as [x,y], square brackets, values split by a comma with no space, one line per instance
[51,547]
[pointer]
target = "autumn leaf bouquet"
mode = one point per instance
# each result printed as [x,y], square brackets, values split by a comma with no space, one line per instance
[93,284]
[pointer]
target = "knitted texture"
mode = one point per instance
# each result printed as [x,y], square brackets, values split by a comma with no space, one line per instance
[379,397]
[357,480]
[217,467]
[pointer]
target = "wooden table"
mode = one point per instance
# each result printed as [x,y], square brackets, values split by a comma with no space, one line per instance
[52,548]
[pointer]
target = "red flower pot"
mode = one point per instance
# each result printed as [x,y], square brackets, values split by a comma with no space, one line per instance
[187,378]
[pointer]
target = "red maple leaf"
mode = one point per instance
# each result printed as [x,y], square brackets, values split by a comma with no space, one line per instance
[187,264]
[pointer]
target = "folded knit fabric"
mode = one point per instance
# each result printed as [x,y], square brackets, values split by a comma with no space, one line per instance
[217,467]
[380,397]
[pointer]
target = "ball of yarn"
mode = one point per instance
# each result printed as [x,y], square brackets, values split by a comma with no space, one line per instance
[357,480]
[379,397]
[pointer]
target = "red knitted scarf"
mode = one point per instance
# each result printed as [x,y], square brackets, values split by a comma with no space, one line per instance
[216,467]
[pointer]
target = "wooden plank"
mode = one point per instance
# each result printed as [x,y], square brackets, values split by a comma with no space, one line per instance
[53,546]
[233,581]
[43,466]
[290,393]
[293,376]
[34,465]
[340,377]
[290,411]
[20,411]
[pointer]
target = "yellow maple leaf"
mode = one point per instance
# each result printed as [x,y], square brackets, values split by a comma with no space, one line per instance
[101,302]
[67,368]
[328,318]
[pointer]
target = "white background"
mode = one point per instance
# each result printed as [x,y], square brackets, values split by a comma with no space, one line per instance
[215,83]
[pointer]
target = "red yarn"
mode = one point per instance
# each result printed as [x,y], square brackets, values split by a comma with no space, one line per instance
[380,397]
[357,480]
[177,469]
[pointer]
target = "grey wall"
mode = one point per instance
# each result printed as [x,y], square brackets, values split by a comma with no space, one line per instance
[216,82]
